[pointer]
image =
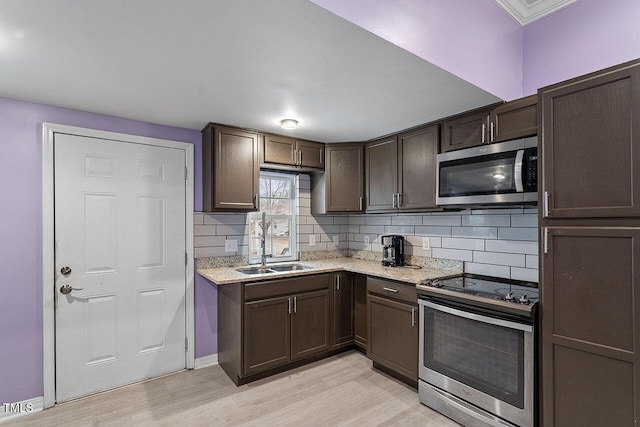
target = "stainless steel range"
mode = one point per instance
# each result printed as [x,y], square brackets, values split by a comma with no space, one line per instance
[477,349]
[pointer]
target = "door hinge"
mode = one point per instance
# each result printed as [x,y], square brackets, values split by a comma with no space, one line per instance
[186,258]
[186,173]
[186,344]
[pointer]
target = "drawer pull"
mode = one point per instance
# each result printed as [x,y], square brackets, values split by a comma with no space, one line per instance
[391,290]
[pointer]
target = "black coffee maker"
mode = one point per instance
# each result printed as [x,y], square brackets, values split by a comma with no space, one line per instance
[392,250]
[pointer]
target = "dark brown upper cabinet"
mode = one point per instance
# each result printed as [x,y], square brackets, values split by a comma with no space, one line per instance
[499,122]
[341,187]
[230,169]
[515,119]
[401,171]
[292,152]
[590,145]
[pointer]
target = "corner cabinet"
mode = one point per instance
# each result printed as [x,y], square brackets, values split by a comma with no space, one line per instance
[280,150]
[401,171]
[393,328]
[230,169]
[342,310]
[341,187]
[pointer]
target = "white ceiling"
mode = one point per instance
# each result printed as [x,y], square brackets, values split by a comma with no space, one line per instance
[242,62]
[527,11]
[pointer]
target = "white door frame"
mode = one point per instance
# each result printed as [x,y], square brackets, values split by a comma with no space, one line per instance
[48,242]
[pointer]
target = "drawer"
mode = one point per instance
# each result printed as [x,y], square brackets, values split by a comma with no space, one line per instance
[294,285]
[393,290]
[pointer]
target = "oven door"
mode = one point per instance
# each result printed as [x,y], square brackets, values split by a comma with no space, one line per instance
[482,360]
[486,175]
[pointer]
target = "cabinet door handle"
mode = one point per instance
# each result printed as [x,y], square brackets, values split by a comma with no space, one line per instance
[399,200]
[294,156]
[546,240]
[300,157]
[492,131]
[484,131]
[413,316]
[289,305]
[255,201]
[545,204]
[338,282]
[391,290]
[360,203]
[393,203]
[295,305]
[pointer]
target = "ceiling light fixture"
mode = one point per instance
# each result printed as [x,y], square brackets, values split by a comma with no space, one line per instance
[289,124]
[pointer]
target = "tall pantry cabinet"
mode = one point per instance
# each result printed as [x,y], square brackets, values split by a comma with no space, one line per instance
[590,249]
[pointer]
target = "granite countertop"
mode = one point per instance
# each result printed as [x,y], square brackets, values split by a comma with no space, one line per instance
[228,275]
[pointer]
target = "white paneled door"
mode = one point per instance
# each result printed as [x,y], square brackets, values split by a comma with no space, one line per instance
[120,263]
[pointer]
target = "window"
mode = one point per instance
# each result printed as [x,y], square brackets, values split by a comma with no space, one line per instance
[278,202]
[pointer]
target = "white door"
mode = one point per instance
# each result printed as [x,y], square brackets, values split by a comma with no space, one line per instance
[120,229]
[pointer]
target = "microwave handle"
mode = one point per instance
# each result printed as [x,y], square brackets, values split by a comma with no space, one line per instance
[517,170]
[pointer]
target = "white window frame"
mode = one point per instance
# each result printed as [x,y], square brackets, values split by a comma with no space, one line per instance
[293,231]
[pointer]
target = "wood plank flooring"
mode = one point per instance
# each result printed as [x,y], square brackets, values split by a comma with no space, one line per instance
[342,390]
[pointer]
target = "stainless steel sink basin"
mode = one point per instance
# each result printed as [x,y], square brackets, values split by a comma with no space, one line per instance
[272,269]
[255,270]
[289,267]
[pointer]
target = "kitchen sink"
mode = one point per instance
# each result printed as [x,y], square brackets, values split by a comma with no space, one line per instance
[272,269]
[289,267]
[255,270]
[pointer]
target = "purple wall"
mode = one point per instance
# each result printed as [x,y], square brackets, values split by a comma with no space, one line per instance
[21,237]
[473,39]
[586,36]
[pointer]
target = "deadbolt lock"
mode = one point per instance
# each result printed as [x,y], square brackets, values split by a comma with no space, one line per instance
[65,271]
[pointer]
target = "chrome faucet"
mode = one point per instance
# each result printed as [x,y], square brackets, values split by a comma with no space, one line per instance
[263,240]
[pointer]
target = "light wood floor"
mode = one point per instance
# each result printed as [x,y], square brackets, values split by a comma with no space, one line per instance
[342,390]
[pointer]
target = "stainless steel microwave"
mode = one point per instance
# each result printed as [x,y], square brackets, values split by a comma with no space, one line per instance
[505,173]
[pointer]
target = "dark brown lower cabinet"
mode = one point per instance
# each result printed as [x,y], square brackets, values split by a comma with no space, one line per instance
[265,326]
[360,310]
[393,327]
[590,310]
[342,333]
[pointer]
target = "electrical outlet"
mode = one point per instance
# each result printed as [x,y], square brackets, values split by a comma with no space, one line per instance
[231,245]
[336,240]
[366,240]
[425,243]
[312,240]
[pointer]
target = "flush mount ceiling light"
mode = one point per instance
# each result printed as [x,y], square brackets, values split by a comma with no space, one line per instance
[289,124]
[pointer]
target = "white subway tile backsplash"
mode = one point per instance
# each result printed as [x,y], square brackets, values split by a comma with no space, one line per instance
[198,218]
[451,220]
[399,229]
[527,274]
[486,221]
[328,229]
[342,220]
[525,220]
[305,229]
[324,220]
[457,254]
[378,220]
[372,229]
[458,243]
[497,211]
[406,220]
[231,230]
[304,202]
[204,230]
[357,219]
[225,219]
[484,232]
[529,234]
[204,241]
[511,246]
[433,230]
[532,261]
[488,269]
[500,258]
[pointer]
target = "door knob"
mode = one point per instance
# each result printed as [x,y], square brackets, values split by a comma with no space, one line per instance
[65,271]
[66,289]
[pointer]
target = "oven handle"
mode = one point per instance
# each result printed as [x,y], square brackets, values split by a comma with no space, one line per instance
[517,170]
[478,317]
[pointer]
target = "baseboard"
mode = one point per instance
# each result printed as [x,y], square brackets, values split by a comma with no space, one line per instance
[205,361]
[20,409]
